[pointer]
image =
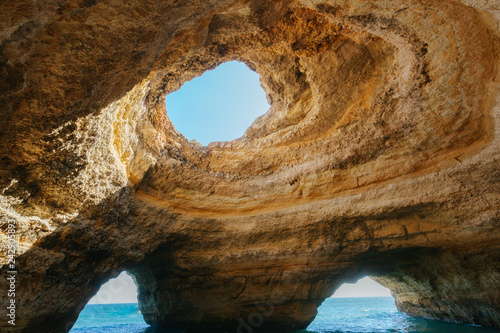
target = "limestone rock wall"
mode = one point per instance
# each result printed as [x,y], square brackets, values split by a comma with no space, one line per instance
[379,156]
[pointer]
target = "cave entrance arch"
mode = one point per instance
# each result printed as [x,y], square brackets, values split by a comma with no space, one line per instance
[356,305]
[362,304]
[115,304]
[219,105]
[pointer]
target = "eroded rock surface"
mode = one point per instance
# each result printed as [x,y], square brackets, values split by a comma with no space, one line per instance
[379,156]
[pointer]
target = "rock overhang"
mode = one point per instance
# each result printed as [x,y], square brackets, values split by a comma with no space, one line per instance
[378,154]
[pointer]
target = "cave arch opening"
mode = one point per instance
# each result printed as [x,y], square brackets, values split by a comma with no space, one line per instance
[114,304]
[367,306]
[357,306]
[219,105]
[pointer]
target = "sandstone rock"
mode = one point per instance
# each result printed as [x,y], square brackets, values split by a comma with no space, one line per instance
[379,156]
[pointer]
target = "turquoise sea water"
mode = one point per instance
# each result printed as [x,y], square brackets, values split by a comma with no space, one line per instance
[336,315]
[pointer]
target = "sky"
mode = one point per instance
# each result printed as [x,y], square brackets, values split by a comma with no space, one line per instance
[218,105]
[122,289]
[365,287]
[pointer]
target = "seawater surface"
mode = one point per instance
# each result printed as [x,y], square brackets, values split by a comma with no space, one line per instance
[335,315]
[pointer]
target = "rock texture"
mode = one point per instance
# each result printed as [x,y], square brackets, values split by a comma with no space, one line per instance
[379,156]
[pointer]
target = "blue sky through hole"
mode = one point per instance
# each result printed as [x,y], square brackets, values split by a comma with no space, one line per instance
[219,105]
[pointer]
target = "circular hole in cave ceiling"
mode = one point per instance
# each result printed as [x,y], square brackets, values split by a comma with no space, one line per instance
[218,105]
